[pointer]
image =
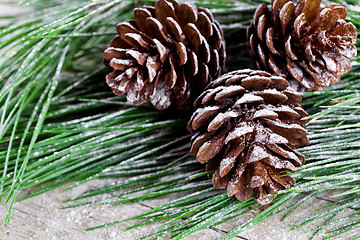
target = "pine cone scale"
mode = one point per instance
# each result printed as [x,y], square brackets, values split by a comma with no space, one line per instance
[270,41]
[256,153]
[228,162]
[163,10]
[258,175]
[198,140]
[311,9]
[262,27]
[329,16]
[181,53]
[277,163]
[204,25]
[210,148]
[219,182]
[194,63]
[245,191]
[215,39]
[186,14]
[286,15]
[278,7]
[140,16]
[238,179]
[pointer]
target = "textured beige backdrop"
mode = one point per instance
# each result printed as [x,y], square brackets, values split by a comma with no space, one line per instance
[42,217]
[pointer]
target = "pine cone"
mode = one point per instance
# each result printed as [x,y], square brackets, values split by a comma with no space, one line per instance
[304,43]
[245,127]
[166,55]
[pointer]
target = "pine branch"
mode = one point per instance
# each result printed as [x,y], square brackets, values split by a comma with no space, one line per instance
[60,125]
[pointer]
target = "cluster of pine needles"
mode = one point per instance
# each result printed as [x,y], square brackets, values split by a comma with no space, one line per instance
[60,124]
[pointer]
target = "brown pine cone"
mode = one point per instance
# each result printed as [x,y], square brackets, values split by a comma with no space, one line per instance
[166,55]
[308,45]
[245,127]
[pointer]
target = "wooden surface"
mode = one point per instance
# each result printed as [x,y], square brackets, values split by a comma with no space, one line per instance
[42,217]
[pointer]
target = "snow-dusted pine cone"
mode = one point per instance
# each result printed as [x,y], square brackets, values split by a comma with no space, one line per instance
[166,55]
[245,127]
[308,45]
